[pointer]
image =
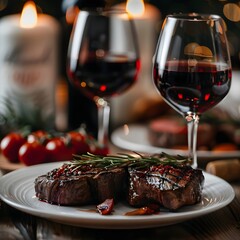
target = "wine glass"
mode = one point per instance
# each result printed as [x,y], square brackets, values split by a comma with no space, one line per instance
[192,67]
[103,59]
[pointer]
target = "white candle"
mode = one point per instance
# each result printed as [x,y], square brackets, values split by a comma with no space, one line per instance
[29,65]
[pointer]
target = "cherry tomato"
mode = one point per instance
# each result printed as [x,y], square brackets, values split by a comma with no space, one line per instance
[97,150]
[40,135]
[10,145]
[59,150]
[106,207]
[33,153]
[78,141]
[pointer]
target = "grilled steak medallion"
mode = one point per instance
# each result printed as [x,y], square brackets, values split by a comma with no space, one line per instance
[71,186]
[171,187]
[140,181]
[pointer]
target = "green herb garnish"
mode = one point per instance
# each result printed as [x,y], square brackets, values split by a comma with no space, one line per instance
[121,160]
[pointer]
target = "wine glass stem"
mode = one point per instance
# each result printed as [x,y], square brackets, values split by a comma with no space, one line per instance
[103,121]
[192,123]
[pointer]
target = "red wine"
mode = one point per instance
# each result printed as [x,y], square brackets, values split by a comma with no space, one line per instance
[105,77]
[192,86]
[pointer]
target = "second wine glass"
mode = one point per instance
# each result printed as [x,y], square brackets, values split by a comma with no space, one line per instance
[192,67]
[103,59]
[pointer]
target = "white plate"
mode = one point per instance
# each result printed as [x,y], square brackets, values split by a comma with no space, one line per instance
[17,190]
[134,137]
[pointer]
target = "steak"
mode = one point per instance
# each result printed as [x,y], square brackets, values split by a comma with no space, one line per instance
[73,186]
[168,186]
[170,132]
[171,186]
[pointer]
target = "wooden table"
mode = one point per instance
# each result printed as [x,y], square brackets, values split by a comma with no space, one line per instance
[221,224]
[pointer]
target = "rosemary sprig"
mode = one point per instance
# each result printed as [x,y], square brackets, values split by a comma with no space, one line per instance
[121,160]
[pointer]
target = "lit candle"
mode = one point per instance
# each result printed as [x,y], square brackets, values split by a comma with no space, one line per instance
[29,64]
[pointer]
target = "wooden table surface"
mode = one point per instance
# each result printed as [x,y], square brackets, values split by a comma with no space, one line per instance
[221,224]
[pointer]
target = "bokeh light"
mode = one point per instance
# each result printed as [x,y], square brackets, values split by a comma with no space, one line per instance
[232,12]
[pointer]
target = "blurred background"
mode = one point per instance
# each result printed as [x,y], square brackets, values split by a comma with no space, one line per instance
[228,9]
[71,106]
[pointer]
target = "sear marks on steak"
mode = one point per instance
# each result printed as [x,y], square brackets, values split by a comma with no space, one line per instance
[74,186]
[168,186]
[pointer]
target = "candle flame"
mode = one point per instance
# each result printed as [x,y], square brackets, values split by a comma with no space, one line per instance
[136,8]
[29,15]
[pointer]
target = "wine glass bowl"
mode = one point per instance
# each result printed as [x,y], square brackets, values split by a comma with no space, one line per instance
[103,59]
[192,67]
